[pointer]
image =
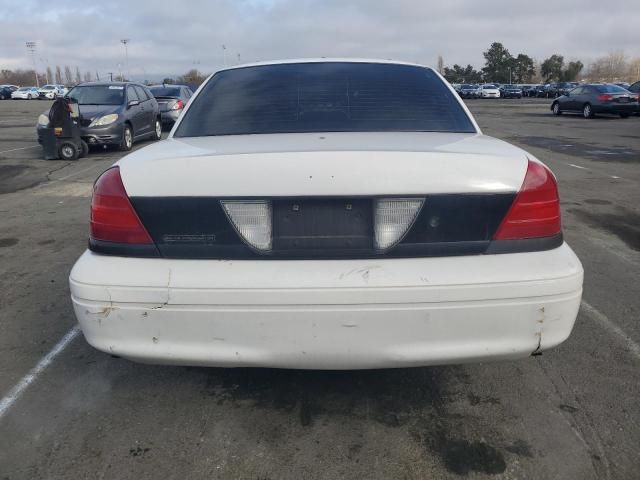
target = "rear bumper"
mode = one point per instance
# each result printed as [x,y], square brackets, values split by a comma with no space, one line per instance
[329,314]
[616,109]
[170,116]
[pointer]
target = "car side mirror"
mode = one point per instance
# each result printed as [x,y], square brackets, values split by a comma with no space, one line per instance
[133,103]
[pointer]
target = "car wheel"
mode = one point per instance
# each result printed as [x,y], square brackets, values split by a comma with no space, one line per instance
[84,150]
[624,115]
[158,130]
[68,151]
[556,108]
[587,111]
[127,139]
[29,97]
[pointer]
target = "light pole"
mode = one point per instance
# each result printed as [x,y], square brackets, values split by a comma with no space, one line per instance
[125,41]
[509,75]
[31,48]
[46,72]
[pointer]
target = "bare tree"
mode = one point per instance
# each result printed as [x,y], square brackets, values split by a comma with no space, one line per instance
[68,78]
[87,76]
[634,70]
[49,75]
[58,75]
[78,76]
[610,68]
[440,65]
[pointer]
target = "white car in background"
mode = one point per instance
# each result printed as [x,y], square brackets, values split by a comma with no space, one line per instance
[25,93]
[326,214]
[488,91]
[51,92]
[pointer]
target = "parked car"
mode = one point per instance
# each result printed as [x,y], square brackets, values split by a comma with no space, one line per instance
[542,91]
[597,98]
[243,239]
[115,113]
[5,92]
[488,90]
[171,101]
[50,92]
[25,93]
[561,88]
[468,91]
[635,88]
[510,91]
[529,91]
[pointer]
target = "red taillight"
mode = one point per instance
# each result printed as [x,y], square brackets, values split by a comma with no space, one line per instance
[113,218]
[605,97]
[535,212]
[179,105]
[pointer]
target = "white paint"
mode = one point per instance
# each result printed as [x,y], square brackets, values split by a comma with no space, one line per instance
[325,164]
[292,313]
[615,177]
[21,148]
[577,166]
[16,392]
[602,320]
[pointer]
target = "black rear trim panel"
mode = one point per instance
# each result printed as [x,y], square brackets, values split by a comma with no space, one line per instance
[324,228]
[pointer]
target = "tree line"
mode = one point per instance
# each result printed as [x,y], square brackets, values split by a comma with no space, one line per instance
[503,67]
[60,76]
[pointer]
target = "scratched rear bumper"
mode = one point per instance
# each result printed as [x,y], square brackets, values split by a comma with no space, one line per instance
[327,314]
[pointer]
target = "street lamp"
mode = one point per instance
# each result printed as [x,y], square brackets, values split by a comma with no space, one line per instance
[125,41]
[31,48]
[46,72]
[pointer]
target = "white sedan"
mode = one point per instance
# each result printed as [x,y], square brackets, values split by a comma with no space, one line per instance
[326,214]
[26,93]
[488,91]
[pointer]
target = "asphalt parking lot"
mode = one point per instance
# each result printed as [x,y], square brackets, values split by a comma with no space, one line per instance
[572,413]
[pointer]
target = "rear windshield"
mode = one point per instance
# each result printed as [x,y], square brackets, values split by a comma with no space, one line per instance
[98,94]
[324,97]
[610,89]
[165,91]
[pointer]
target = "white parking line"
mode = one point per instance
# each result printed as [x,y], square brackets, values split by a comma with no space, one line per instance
[16,149]
[16,392]
[577,166]
[607,324]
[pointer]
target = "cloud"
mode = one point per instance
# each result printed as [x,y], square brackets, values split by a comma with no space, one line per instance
[170,38]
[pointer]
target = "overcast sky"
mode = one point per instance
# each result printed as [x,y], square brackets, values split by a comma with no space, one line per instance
[171,37]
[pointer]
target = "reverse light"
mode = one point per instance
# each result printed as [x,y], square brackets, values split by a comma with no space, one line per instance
[392,219]
[535,212]
[104,120]
[113,218]
[251,220]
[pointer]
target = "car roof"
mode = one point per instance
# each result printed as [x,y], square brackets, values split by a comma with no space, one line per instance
[167,85]
[104,84]
[323,60]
